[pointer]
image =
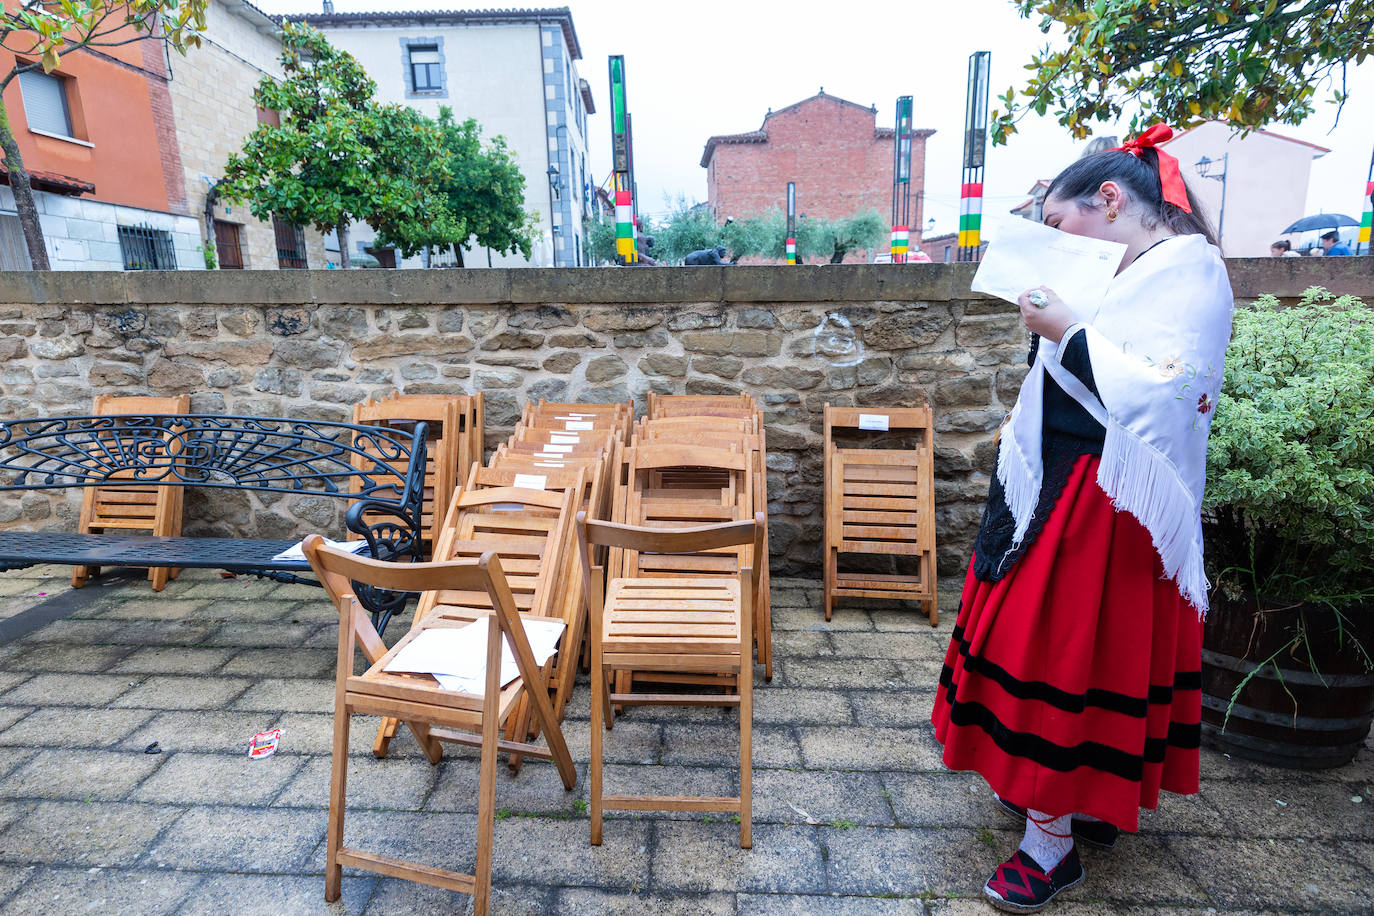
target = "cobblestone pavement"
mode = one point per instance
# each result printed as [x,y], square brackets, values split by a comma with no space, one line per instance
[853,811]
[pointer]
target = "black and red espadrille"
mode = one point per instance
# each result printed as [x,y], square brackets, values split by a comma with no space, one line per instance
[1095,833]
[1020,885]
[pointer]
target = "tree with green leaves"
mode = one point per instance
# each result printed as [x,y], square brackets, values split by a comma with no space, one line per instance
[1182,61]
[338,157]
[39,33]
[485,190]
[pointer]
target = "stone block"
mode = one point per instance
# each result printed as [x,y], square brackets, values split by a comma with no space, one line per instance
[623,319]
[578,340]
[726,367]
[81,834]
[562,363]
[543,318]
[79,774]
[273,840]
[605,369]
[499,378]
[739,343]
[514,340]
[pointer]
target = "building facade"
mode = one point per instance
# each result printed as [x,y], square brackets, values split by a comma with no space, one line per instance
[212,98]
[515,72]
[833,149]
[97,135]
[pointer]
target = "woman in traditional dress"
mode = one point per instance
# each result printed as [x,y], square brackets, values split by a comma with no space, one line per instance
[1072,681]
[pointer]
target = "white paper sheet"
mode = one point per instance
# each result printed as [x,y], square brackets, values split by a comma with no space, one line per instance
[573,425]
[297,551]
[875,421]
[565,438]
[457,656]
[1026,254]
[557,448]
[531,481]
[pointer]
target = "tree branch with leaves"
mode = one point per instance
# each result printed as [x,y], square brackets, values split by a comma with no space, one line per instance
[1184,62]
[39,33]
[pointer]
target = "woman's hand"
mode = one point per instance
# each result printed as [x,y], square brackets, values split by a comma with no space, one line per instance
[1049,321]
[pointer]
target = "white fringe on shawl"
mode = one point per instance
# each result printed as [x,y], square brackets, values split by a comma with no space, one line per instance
[1172,307]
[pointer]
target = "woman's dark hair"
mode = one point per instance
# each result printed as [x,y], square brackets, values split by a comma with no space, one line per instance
[1140,177]
[1283,245]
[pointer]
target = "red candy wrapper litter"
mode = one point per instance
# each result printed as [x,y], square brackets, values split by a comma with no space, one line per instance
[264,744]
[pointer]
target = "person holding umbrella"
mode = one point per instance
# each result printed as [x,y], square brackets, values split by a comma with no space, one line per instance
[1333,246]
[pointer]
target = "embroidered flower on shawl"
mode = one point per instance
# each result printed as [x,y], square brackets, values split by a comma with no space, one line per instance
[1171,367]
[1204,404]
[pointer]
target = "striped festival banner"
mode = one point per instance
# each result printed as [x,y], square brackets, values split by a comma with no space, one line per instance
[624,226]
[901,243]
[791,251]
[970,215]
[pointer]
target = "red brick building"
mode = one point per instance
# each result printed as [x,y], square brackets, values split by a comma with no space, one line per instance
[834,150]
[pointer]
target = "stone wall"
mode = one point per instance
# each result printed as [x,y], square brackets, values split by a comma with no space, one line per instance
[310,344]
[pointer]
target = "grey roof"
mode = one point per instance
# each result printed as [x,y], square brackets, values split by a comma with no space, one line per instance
[561,15]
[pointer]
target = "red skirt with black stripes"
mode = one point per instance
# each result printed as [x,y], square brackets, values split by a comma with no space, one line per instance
[1073,684]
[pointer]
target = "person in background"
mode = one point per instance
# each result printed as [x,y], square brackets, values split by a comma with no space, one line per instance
[1333,246]
[1283,249]
[1073,679]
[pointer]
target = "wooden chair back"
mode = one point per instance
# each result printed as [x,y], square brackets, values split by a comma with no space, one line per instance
[155,509]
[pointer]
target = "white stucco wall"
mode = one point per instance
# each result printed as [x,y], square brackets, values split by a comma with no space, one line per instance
[1266,183]
[493,73]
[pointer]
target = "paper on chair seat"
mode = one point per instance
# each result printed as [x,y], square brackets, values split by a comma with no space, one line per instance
[297,551]
[1025,254]
[457,656]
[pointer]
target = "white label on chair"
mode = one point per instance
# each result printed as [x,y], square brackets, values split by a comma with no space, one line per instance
[564,438]
[553,456]
[531,481]
[876,421]
[554,448]
[548,464]
[578,424]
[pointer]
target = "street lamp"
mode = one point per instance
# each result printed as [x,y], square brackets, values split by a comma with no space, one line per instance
[1215,169]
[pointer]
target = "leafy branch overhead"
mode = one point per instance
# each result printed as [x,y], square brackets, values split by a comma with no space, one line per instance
[1180,61]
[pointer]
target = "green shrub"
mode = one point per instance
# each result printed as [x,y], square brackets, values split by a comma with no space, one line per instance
[1289,510]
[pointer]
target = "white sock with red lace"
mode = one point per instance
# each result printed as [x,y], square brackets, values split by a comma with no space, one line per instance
[1048,839]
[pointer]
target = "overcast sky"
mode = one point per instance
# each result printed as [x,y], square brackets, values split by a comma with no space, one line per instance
[703,68]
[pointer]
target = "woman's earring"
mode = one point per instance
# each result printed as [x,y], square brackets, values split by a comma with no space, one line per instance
[1111,214]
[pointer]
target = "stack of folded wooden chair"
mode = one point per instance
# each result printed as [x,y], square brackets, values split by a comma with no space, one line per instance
[680,596]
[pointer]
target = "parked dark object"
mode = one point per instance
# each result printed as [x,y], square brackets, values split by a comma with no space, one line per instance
[705,256]
[380,471]
[1287,714]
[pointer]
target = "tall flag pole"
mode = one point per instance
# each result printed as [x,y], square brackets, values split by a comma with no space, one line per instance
[620,164]
[975,147]
[1367,221]
[791,222]
[901,181]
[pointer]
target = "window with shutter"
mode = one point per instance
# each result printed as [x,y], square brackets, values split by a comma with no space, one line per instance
[14,252]
[45,102]
[227,245]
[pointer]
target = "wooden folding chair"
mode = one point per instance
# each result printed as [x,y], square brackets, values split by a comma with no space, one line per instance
[151,508]
[430,710]
[671,625]
[881,501]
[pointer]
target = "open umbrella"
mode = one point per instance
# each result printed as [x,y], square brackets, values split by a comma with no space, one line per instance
[1321,221]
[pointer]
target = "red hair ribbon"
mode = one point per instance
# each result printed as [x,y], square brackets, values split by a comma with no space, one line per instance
[1170,179]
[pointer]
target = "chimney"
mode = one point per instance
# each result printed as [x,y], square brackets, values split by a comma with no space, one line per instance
[329,7]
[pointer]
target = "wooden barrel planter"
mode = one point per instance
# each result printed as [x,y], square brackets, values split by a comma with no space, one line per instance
[1287,715]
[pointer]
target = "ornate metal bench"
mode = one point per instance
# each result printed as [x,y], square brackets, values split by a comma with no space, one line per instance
[380,471]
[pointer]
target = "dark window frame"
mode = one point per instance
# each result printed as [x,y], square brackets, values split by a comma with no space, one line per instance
[228,245]
[144,248]
[291,251]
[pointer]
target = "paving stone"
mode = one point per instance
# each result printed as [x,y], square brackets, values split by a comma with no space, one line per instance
[77,833]
[219,779]
[717,782]
[872,861]
[1196,814]
[104,890]
[79,774]
[71,689]
[230,839]
[81,659]
[396,783]
[634,902]
[833,673]
[801,707]
[1141,869]
[242,588]
[628,742]
[858,748]
[160,608]
[10,715]
[181,692]
[293,694]
[75,727]
[394,897]
[11,679]
[812,905]
[210,731]
[901,646]
[543,851]
[163,632]
[801,644]
[693,856]
[893,707]
[282,663]
[808,615]
[221,894]
[718,745]
[12,877]
[12,811]
[536,789]
[76,632]
[179,660]
[896,618]
[263,635]
[824,796]
[942,800]
[1314,874]
[1288,808]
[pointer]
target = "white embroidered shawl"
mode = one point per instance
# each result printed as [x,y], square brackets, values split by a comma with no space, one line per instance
[1157,343]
